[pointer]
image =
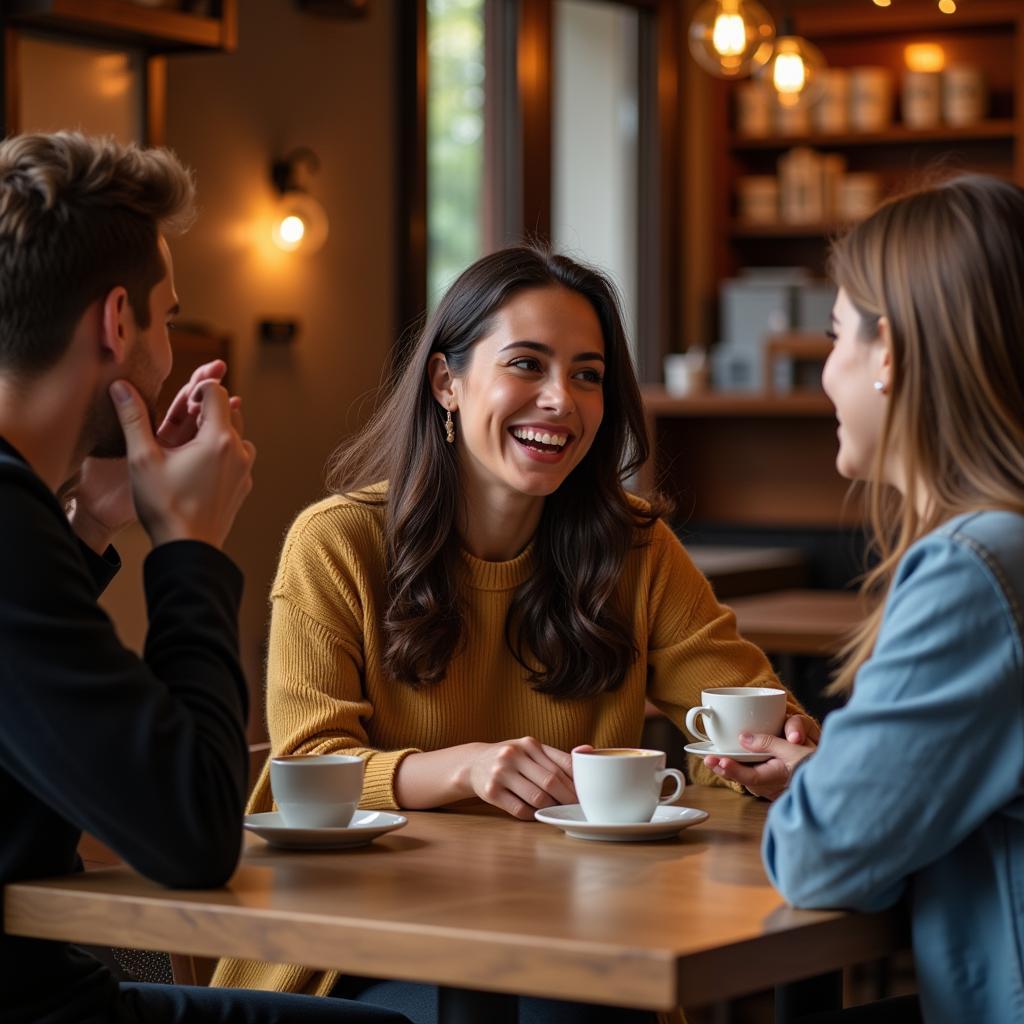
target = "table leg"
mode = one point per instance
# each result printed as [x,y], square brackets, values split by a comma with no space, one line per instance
[464,1006]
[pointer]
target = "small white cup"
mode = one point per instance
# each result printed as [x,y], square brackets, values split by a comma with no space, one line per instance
[730,710]
[622,785]
[316,790]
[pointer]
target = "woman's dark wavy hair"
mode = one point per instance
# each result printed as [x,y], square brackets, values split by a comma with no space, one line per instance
[564,625]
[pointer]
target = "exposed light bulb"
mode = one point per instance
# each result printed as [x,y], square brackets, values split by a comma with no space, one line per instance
[729,36]
[882,3]
[795,71]
[790,74]
[299,224]
[292,229]
[947,6]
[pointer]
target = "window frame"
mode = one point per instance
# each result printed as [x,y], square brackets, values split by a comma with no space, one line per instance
[521,167]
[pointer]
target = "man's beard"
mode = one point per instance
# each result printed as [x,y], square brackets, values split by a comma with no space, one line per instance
[104,428]
[102,436]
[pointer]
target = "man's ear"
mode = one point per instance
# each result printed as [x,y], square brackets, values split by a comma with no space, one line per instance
[117,325]
[441,381]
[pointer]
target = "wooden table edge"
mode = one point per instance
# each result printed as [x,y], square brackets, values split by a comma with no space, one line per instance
[574,969]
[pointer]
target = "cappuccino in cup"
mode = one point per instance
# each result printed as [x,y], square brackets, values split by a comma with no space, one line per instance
[622,785]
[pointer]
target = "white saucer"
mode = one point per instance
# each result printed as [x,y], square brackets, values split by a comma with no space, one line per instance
[363,829]
[667,821]
[743,756]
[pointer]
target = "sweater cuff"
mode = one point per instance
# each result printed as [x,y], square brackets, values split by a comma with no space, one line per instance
[379,778]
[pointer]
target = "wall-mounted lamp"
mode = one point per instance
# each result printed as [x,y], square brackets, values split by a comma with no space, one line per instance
[300,222]
[731,38]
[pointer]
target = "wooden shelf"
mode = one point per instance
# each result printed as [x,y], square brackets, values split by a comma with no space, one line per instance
[157,30]
[740,230]
[832,20]
[658,402]
[996,129]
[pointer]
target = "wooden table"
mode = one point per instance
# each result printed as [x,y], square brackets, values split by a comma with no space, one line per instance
[478,902]
[814,622]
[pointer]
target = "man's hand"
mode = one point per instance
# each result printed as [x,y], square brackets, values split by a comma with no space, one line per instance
[192,491]
[101,498]
[770,778]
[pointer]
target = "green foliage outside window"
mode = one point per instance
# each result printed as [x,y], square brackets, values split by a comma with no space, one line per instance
[455,139]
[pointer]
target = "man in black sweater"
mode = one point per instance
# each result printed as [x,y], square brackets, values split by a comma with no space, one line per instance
[148,754]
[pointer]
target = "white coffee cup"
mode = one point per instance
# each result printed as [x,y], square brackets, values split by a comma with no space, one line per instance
[316,790]
[622,785]
[729,710]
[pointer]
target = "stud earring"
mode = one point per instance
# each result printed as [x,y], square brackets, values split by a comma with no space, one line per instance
[449,428]
[879,386]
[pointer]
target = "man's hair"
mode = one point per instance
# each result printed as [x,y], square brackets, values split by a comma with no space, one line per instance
[79,216]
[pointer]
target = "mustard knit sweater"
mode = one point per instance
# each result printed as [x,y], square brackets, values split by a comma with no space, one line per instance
[327,690]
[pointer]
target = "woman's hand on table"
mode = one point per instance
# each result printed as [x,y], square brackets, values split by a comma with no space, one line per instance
[521,776]
[769,779]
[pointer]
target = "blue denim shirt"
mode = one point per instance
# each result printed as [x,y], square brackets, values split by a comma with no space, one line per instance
[917,787]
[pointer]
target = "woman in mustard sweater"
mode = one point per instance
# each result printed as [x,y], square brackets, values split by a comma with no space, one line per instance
[501,599]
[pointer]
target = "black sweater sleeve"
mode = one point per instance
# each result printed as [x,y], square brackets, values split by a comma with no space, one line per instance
[149,755]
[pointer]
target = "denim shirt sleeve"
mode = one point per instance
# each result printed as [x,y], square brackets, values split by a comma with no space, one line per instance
[928,747]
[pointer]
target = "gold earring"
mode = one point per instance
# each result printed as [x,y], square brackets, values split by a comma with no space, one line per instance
[449,428]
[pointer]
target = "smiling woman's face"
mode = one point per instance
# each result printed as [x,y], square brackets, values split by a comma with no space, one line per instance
[531,401]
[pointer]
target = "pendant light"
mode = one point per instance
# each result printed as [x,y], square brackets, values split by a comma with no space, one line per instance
[731,38]
[794,68]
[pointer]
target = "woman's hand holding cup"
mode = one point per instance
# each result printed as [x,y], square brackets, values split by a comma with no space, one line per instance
[770,778]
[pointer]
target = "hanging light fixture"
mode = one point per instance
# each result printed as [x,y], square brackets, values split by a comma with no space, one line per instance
[794,68]
[731,38]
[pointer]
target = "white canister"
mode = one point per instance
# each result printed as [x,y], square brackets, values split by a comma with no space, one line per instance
[858,195]
[801,187]
[870,99]
[831,114]
[754,102]
[792,120]
[921,99]
[758,196]
[964,95]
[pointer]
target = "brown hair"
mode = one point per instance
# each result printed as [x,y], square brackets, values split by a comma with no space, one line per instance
[945,267]
[563,625]
[78,217]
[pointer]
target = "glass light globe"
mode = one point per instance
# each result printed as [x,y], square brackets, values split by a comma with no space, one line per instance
[731,38]
[794,71]
[300,223]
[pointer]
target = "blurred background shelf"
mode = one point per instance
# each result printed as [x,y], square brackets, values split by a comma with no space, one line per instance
[154,29]
[1002,128]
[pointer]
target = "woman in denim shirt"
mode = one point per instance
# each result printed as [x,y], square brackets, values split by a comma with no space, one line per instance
[917,786]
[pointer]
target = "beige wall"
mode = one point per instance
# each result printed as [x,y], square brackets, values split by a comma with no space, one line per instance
[294,80]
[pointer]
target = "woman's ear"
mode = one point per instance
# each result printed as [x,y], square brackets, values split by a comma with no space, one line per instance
[117,325]
[441,381]
[885,368]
